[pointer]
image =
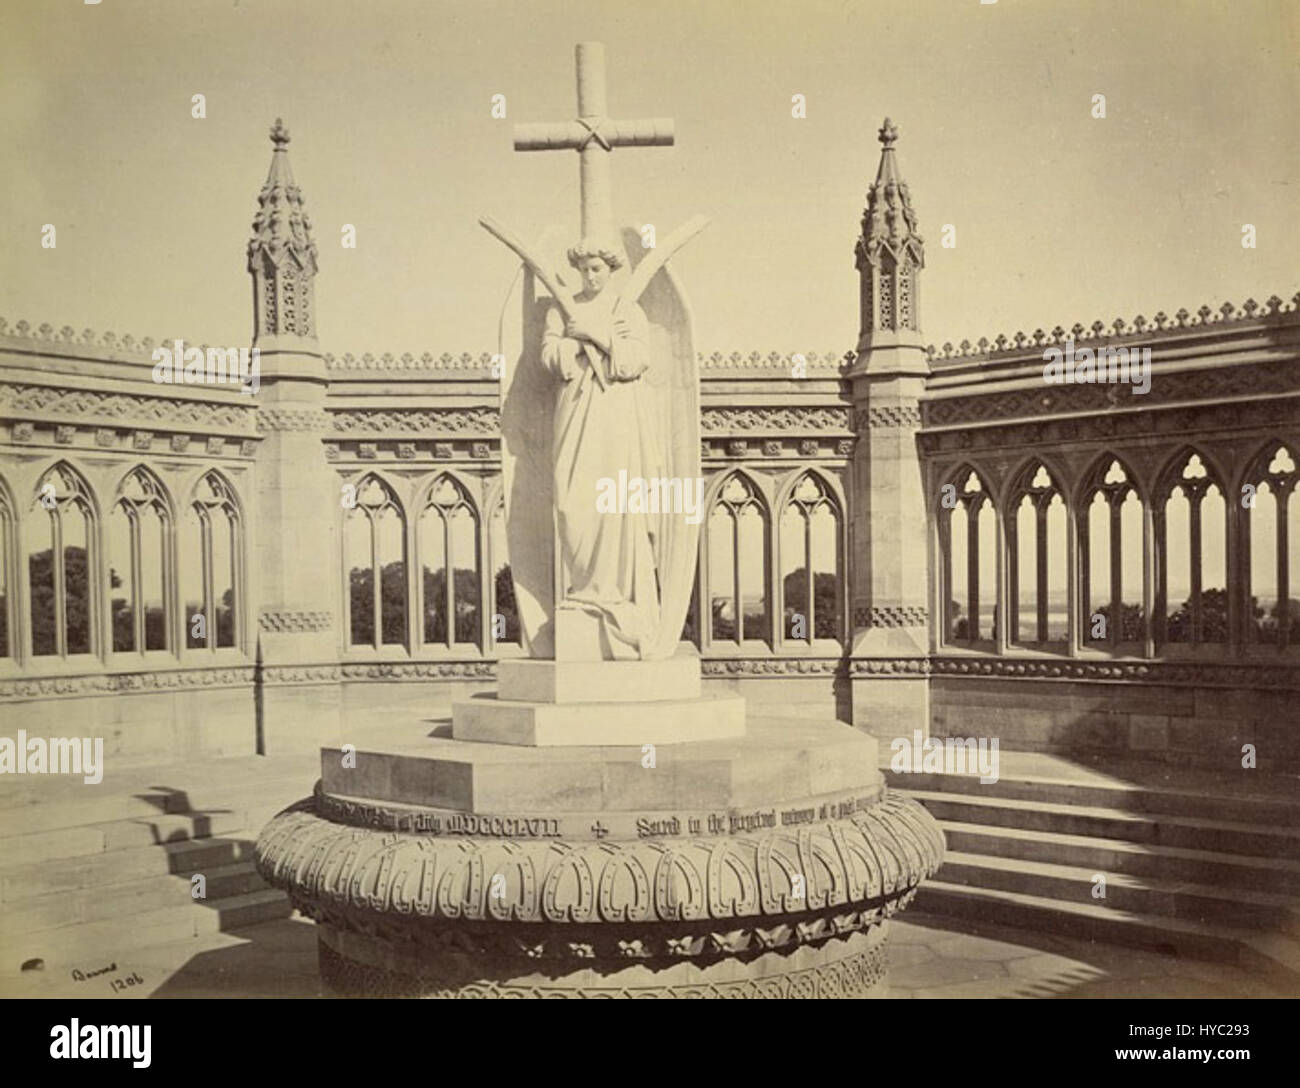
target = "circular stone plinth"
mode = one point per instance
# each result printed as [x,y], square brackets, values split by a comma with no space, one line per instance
[637,898]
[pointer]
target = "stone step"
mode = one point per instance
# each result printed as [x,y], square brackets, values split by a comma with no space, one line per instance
[66,875]
[118,835]
[1229,905]
[1172,800]
[127,898]
[107,938]
[1121,856]
[40,810]
[1111,823]
[1088,920]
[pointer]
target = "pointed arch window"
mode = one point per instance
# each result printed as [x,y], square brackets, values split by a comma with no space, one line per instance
[811,563]
[374,549]
[1037,597]
[139,551]
[1192,599]
[8,576]
[61,560]
[1272,531]
[212,543]
[737,551]
[1111,584]
[968,546]
[450,566]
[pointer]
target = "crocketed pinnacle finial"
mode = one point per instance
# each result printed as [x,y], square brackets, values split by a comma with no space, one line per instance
[888,134]
[280,134]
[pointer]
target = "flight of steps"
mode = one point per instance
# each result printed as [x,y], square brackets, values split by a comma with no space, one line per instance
[99,871]
[1195,865]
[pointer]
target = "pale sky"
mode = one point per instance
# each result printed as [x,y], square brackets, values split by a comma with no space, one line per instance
[1059,217]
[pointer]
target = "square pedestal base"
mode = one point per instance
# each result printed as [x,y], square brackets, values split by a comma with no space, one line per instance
[664,721]
[533,680]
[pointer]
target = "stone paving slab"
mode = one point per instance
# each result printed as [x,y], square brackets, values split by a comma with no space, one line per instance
[930,957]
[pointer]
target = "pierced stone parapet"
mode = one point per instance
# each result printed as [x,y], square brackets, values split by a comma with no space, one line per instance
[1119,329]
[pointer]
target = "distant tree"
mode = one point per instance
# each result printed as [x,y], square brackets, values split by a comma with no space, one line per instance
[505,595]
[466,597]
[1214,618]
[825,600]
[392,592]
[40,569]
[1132,623]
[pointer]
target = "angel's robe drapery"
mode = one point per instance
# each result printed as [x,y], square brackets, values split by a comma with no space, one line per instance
[609,557]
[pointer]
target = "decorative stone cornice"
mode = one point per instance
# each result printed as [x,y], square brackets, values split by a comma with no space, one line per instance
[115,683]
[1174,388]
[1175,423]
[421,421]
[293,419]
[771,666]
[56,402]
[1242,674]
[1119,329]
[1203,674]
[482,361]
[287,621]
[420,670]
[892,616]
[776,420]
[888,417]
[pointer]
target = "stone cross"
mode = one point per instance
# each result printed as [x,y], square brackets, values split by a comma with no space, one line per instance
[593,135]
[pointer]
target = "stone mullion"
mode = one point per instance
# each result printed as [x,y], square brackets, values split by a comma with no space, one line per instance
[1000,632]
[60,584]
[449,579]
[808,571]
[1012,530]
[1148,580]
[1116,568]
[209,581]
[1283,569]
[973,568]
[1232,572]
[376,573]
[1040,548]
[738,611]
[1161,617]
[411,537]
[1082,568]
[1245,523]
[487,605]
[1194,521]
[946,589]
[137,578]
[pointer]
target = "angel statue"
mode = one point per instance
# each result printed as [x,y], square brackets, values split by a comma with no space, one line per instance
[606,389]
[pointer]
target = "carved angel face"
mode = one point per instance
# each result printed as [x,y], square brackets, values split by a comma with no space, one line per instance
[595,274]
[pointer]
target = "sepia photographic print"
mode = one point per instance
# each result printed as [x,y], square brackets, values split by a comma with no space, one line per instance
[650,499]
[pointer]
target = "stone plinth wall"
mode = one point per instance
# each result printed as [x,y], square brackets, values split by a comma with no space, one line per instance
[1181,724]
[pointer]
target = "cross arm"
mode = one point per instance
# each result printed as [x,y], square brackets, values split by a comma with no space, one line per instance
[575,135]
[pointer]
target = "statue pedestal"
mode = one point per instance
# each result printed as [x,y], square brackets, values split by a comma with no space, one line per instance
[439,867]
[599,703]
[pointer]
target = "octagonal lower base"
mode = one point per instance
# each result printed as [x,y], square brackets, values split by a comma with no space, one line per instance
[851,966]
